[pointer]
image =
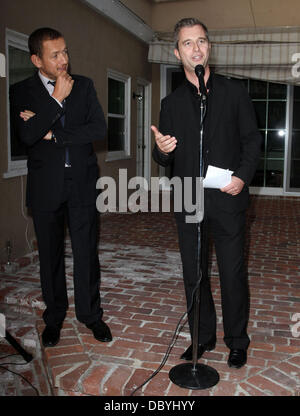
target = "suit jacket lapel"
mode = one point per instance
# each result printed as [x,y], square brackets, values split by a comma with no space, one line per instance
[70,101]
[186,115]
[217,102]
[38,86]
[40,90]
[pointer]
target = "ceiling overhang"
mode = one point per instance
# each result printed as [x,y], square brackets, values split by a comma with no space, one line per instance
[122,16]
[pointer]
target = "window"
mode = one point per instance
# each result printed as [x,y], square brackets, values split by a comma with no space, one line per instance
[19,67]
[270,101]
[294,145]
[277,107]
[118,115]
[270,104]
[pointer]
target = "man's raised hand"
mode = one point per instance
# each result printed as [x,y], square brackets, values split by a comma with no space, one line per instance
[63,86]
[166,144]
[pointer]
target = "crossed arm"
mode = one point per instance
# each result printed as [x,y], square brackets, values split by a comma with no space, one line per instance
[63,87]
[27,114]
[37,123]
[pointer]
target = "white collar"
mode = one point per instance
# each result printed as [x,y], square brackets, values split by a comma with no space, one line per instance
[45,80]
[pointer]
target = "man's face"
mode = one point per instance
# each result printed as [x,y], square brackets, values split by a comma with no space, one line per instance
[193,47]
[54,59]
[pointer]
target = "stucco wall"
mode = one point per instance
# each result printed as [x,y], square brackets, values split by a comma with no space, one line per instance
[95,44]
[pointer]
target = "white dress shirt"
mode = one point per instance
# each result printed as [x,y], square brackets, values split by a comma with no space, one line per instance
[49,87]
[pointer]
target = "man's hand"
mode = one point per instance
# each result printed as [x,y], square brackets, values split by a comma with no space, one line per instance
[27,114]
[48,135]
[166,144]
[235,186]
[63,86]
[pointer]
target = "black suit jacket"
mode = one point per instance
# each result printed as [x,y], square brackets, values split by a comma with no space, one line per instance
[84,124]
[232,138]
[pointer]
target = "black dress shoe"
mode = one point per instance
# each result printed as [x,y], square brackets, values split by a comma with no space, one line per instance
[51,335]
[101,331]
[188,354]
[237,358]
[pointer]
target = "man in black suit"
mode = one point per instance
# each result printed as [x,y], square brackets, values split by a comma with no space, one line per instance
[58,116]
[231,141]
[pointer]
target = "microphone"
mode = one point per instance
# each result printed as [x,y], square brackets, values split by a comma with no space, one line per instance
[199,71]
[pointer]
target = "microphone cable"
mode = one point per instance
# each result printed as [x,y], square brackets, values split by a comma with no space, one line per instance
[172,343]
[2,366]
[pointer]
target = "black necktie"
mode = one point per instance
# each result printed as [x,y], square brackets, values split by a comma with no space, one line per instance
[62,119]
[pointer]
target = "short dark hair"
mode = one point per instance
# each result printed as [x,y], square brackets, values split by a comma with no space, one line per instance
[36,39]
[188,22]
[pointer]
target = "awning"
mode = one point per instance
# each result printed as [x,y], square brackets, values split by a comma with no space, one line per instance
[267,54]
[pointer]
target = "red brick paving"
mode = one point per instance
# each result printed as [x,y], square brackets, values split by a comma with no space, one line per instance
[143,299]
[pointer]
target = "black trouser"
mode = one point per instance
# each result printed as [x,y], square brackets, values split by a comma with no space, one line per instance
[228,234]
[83,227]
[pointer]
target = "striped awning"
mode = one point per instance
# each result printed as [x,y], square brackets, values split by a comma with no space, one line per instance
[267,54]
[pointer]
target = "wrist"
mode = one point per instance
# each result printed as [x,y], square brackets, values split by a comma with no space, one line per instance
[53,137]
[58,98]
[162,152]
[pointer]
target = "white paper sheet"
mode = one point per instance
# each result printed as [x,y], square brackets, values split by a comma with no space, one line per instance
[217,177]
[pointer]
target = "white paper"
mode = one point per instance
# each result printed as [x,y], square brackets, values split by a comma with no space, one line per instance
[217,177]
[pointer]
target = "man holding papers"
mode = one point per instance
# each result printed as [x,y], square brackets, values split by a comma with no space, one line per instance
[231,150]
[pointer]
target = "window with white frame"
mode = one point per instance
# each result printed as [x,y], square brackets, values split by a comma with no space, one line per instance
[118,115]
[18,67]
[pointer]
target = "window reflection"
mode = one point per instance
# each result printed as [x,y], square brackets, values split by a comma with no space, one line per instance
[258,89]
[116,137]
[260,108]
[269,100]
[276,115]
[20,68]
[274,173]
[116,96]
[275,144]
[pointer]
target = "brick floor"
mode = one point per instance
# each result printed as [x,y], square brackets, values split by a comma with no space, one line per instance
[143,300]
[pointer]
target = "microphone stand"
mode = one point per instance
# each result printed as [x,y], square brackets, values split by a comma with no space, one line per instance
[193,375]
[11,340]
[27,356]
